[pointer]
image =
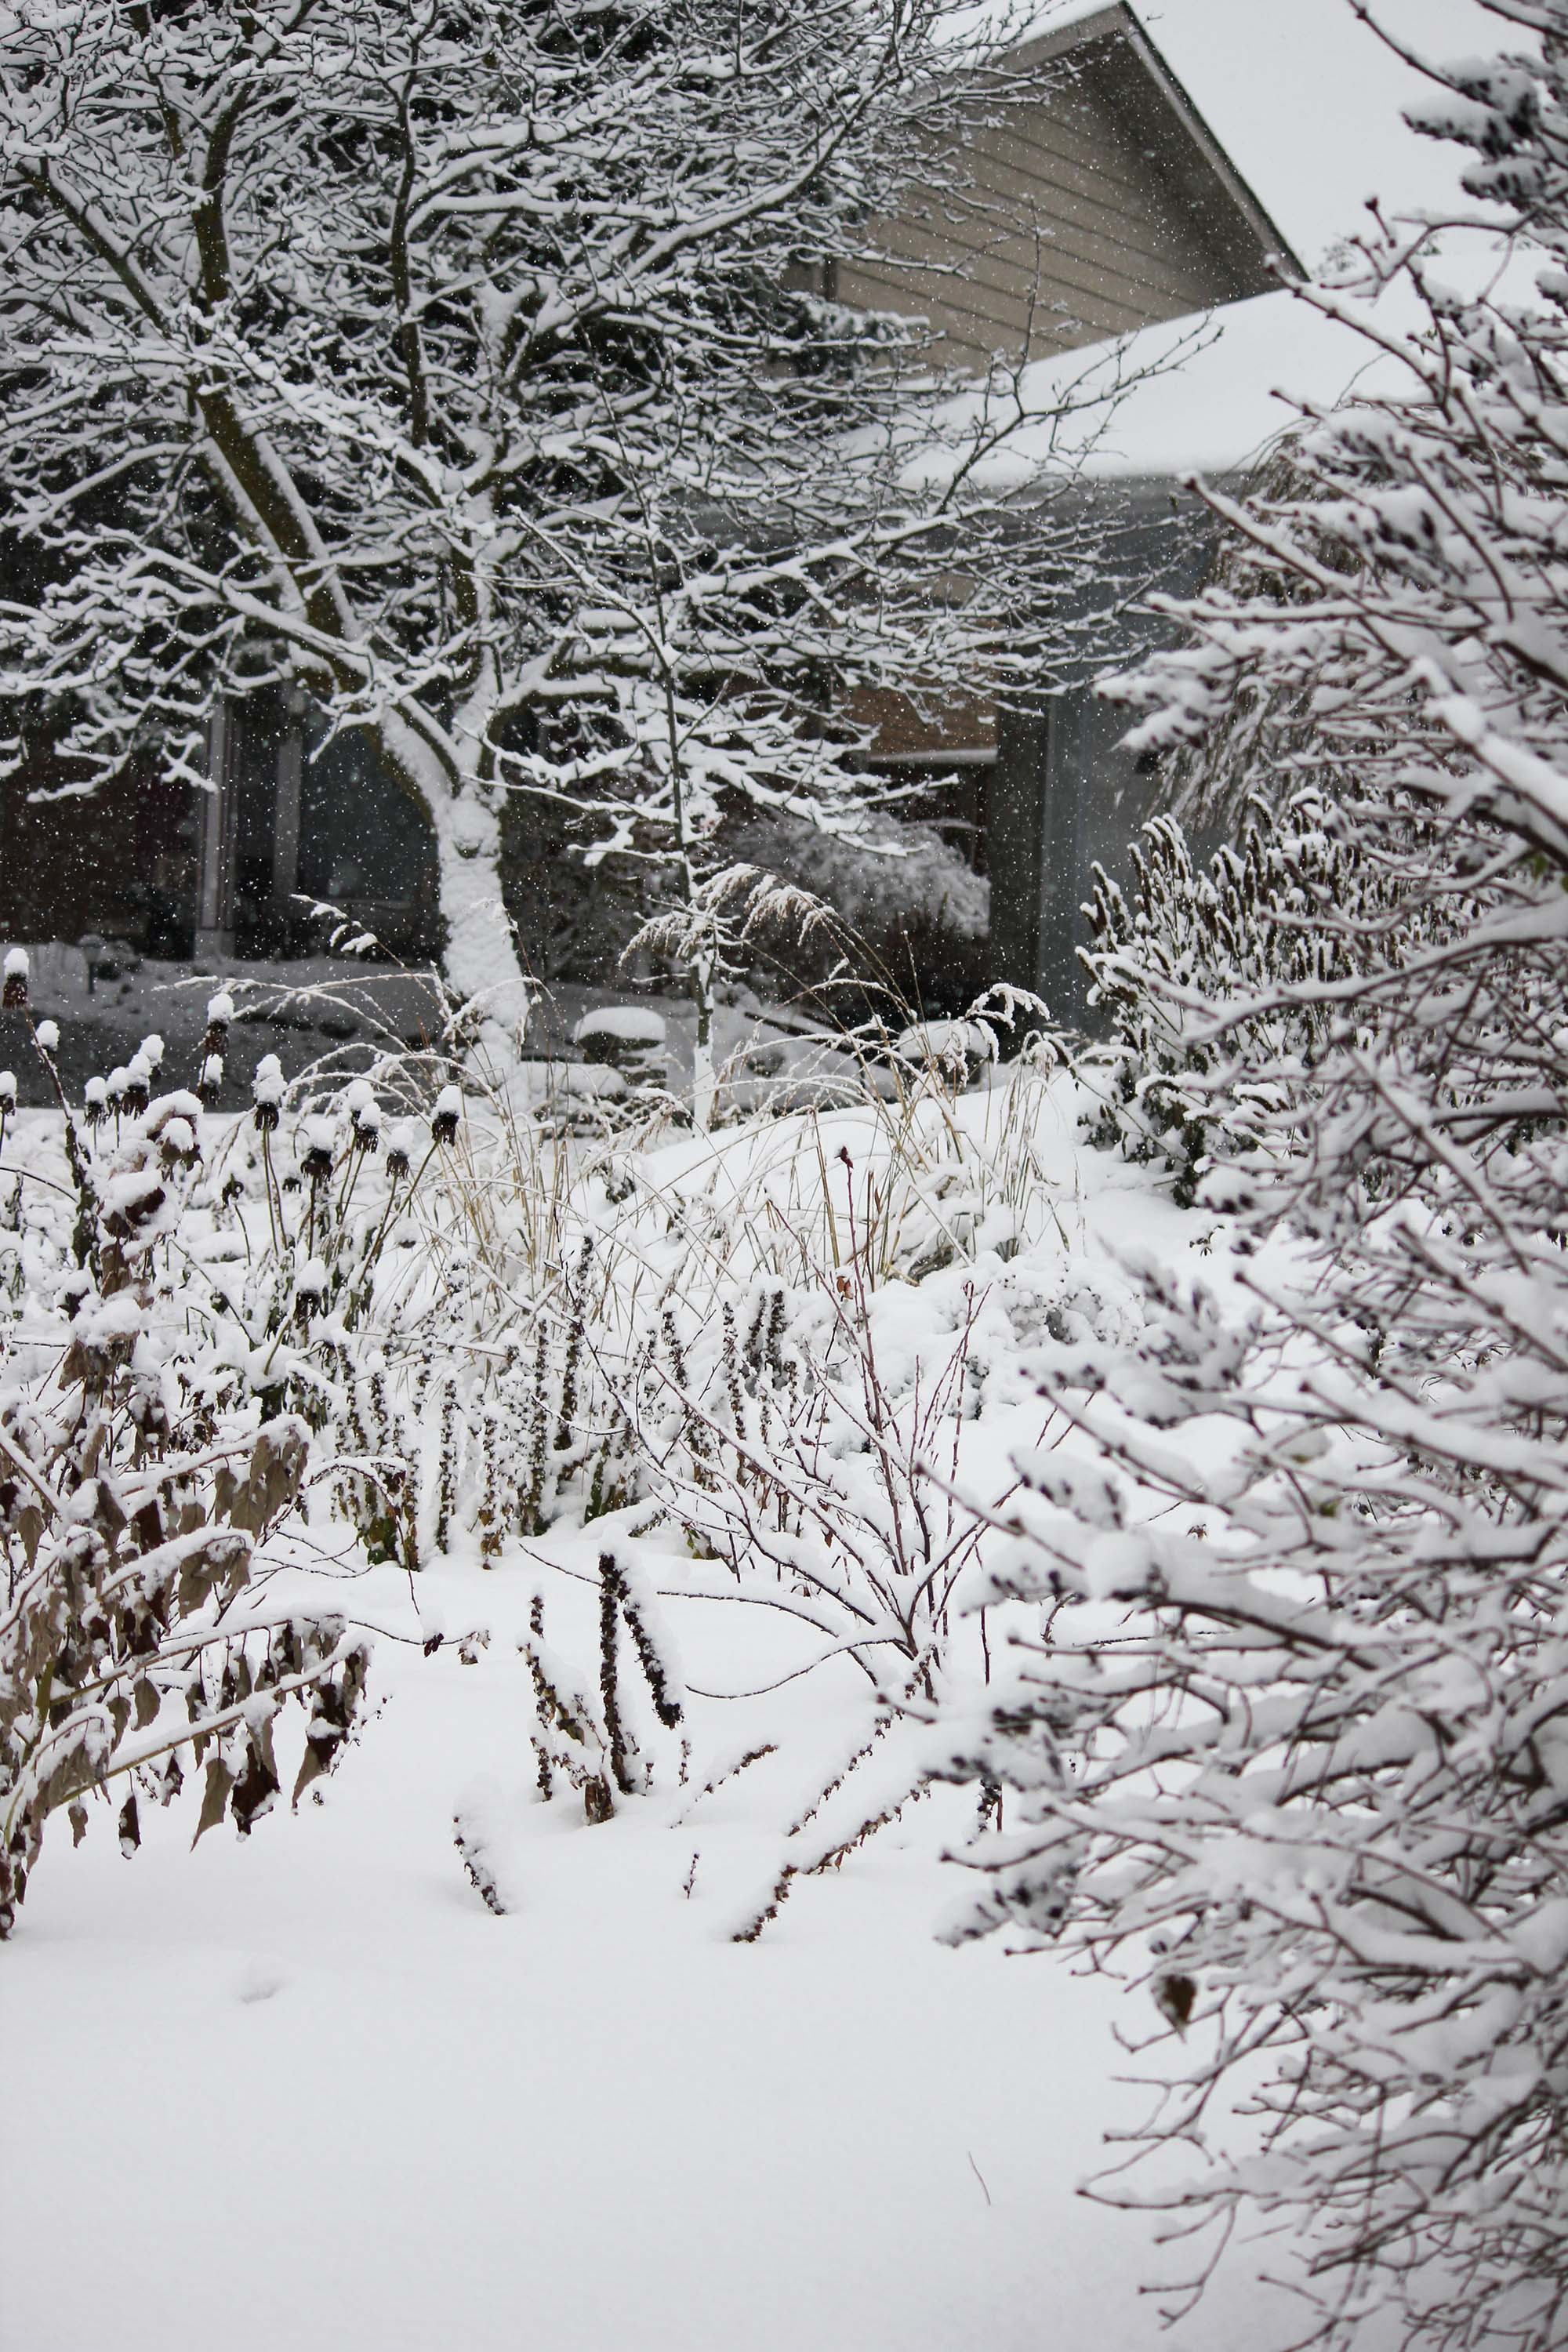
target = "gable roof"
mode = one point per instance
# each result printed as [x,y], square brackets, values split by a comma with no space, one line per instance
[1110,42]
[1101,205]
[1304,98]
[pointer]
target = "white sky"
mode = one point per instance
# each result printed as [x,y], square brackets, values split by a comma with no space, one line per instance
[1308,102]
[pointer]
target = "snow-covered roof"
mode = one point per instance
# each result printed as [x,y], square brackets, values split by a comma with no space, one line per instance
[1229,389]
[1188,396]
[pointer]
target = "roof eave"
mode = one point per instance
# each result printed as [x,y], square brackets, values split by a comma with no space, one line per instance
[1117,22]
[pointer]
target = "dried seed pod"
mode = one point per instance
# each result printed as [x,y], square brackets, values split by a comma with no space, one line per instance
[267,1093]
[211,1080]
[316,1160]
[95,1099]
[14,991]
[138,1085]
[47,1034]
[365,1116]
[220,1012]
[311,1288]
[400,1149]
[444,1118]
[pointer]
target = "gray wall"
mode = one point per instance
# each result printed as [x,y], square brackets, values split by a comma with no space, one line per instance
[1065,796]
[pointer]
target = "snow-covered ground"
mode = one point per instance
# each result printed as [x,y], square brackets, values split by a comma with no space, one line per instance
[312,2094]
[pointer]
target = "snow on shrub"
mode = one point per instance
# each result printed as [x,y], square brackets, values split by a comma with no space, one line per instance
[1287,1745]
[151,1449]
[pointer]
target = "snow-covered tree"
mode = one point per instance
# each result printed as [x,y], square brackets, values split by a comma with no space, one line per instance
[1289,1743]
[444,360]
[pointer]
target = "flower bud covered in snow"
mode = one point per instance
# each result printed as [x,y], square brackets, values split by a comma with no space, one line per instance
[267,1093]
[310,1286]
[177,1138]
[95,1096]
[365,1115]
[400,1147]
[138,1084]
[448,1111]
[118,1079]
[14,992]
[220,1012]
[47,1034]
[211,1079]
[316,1161]
[7,1090]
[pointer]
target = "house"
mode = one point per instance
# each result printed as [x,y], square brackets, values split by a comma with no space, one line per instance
[1107,207]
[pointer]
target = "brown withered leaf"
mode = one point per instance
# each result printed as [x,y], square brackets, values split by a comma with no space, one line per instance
[277,1466]
[225,1555]
[253,1792]
[316,1761]
[215,1797]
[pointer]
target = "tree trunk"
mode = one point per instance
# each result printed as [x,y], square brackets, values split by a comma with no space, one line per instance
[704,1083]
[479,956]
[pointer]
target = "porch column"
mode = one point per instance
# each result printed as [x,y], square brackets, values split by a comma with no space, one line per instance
[215,857]
[286,824]
[1020,784]
[1039,869]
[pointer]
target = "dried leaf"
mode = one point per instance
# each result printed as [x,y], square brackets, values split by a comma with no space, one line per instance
[215,1797]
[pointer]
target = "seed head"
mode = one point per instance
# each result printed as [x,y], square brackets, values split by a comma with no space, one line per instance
[220,1012]
[365,1116]
[400,1149]
[316,1160]
[267,1093]
[444,1118]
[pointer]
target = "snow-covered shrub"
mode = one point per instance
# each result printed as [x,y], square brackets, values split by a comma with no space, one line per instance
[1286,1743]
[1216,985]
[803,1473]
[149,1454]
[913,915]
[630,1041]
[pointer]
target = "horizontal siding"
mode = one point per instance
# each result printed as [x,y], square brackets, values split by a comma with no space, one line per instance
[1074,259]
[972,327]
